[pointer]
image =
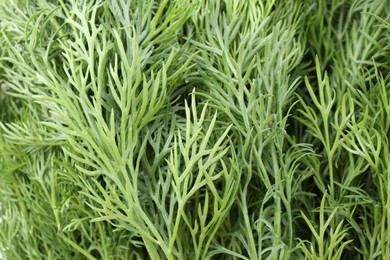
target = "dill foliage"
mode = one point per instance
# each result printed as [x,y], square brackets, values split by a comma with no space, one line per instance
[194,129]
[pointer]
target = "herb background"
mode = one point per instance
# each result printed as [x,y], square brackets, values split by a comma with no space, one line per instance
[194,129]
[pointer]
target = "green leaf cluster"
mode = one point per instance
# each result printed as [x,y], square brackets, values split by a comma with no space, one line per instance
[194,129]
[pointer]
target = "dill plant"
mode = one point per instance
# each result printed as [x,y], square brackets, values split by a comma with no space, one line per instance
[194,129]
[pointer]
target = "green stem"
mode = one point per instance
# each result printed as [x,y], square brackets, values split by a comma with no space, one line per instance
[21,203]
[277,200]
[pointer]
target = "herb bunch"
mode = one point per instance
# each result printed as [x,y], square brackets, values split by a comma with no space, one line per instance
[194,129]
